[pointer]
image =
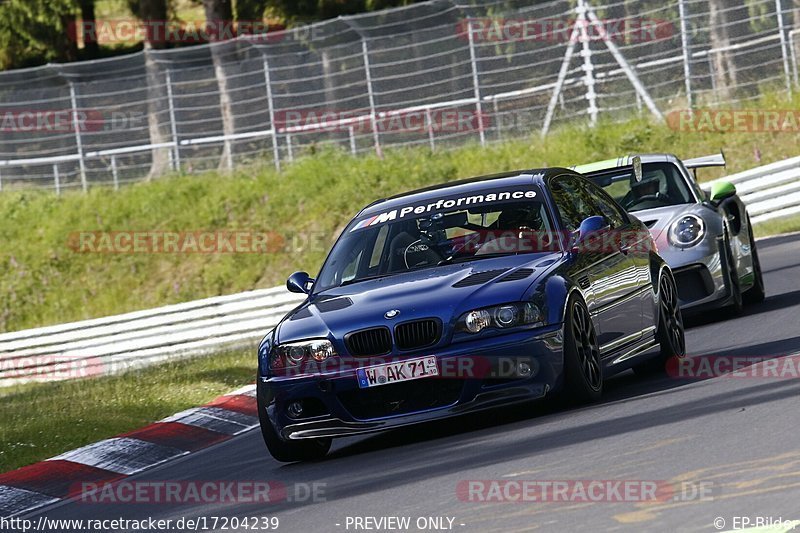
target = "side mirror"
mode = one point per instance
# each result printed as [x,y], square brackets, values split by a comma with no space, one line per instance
[591,226]
[720,191]
[299,282]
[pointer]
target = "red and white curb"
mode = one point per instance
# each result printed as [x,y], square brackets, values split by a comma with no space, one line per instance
[55,479]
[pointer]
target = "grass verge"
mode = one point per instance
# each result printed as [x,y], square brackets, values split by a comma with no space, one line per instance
[776,227]
[43,281]
[40,420]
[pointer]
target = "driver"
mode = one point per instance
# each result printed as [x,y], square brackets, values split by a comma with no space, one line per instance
[515,231]
[649,189]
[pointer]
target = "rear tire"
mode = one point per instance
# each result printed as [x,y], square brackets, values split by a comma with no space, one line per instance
[756,293]
[583,370]
[290,451]
[670,332]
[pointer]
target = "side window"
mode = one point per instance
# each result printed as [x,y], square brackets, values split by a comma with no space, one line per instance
[613,213]
[573,202]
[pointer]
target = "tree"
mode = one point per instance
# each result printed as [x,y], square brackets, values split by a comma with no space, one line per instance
[91,47]
[724,66]
[219,14]
[33,32]
[154,11]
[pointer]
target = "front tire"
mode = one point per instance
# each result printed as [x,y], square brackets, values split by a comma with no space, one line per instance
[290,451]
[756,293]
[583,371]
[736,303]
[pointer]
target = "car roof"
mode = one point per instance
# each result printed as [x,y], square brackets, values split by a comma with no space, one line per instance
[469,185]
[623,161]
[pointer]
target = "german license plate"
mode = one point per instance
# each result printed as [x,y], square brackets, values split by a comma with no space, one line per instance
[374,376]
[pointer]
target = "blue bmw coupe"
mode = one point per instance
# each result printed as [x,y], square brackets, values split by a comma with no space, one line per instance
[461,297]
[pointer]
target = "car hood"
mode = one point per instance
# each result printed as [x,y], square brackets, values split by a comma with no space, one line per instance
[443,292]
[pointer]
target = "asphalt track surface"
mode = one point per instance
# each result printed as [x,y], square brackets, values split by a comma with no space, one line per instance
[737,439]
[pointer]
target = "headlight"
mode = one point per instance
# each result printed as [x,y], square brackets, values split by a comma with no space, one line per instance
[687,231]
[295,353]
[502,316]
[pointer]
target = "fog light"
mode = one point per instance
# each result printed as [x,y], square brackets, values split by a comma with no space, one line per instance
[524,369]
[295,409]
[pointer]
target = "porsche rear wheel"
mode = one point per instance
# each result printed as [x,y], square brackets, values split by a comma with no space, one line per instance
[583,371]
[290,451]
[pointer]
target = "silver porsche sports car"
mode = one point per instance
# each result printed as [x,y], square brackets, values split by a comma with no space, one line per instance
[704,235]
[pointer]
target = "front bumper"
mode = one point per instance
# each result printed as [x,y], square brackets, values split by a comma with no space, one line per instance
[340,408]
[701,274]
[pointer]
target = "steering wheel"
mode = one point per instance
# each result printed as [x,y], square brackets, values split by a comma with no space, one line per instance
[657,197]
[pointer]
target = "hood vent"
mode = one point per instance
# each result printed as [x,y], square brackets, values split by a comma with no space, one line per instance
[334,304]
[478,278]
[650,223]
[519,274]
[302,313]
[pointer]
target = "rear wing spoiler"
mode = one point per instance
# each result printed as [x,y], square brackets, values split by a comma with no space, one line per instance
[634,168]
[716,160]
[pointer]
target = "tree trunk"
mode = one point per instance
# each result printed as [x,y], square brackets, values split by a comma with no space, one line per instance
[155,10]
[724,65]
[90,45]
[219,14]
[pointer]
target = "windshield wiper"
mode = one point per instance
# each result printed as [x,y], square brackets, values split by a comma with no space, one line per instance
[367,278]
[464,259]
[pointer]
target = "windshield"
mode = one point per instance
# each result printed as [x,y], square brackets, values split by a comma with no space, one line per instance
[662,185]
[448,230]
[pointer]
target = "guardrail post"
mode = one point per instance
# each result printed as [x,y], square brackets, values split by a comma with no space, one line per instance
[276,156]
[289,147]
[1,181]
[57,179]
[173,126]
[687,65]
[371,96]
[78,141]
[475,83]
[114,172]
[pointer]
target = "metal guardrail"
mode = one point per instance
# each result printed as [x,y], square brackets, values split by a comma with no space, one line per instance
[113,344]
[771,191]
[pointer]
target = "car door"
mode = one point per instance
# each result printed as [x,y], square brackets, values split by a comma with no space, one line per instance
[605,273]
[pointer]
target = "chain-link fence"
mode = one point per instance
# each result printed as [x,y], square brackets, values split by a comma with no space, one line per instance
[434,74]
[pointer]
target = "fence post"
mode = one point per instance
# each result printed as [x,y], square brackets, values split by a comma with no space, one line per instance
[56,178]
[784,52]
[276,156]
[793,54]
[475,84]
[687,67]
[114,172]
[352,134]
[370,94]
[588,67]
[429,127]
[1,181]
[78,141]
[176,162]
[289,147]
